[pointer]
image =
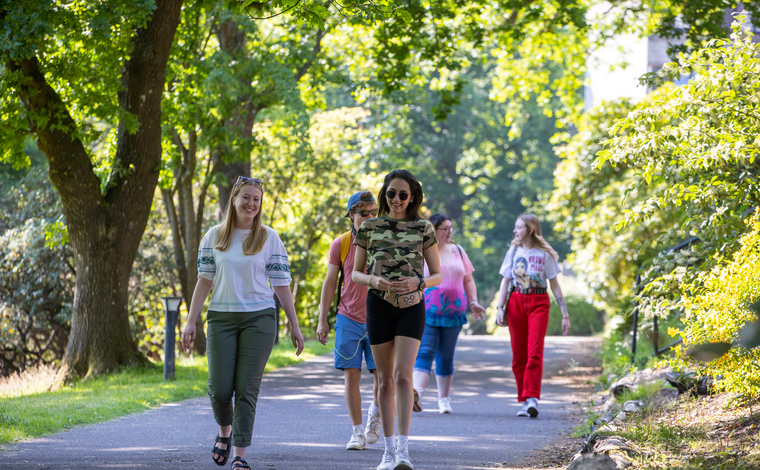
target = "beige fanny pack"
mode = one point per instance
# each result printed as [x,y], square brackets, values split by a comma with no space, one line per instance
[401,300]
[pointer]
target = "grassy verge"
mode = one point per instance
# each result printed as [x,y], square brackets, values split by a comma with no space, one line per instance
[38,413]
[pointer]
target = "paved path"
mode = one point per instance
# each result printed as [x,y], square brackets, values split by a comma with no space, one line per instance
[302,422]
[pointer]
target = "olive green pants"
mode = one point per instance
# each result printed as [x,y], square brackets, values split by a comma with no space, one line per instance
[238,346]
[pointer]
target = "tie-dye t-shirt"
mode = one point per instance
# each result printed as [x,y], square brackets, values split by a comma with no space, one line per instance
[446,303]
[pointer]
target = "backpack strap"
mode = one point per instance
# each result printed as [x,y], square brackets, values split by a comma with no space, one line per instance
[345,246]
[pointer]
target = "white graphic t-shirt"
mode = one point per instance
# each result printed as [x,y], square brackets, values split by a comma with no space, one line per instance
[531,268]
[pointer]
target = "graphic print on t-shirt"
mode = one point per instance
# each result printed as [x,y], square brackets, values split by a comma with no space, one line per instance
[526,271]
[529,268]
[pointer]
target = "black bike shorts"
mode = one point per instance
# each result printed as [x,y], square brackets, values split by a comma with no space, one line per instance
[385,322]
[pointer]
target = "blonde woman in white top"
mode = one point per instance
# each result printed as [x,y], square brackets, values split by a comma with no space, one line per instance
[237,258]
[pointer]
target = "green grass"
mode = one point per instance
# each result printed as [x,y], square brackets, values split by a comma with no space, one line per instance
[129,391]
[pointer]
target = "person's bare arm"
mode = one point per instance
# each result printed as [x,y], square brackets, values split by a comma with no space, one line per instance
[557,291]
[200,293]
[363,279]
[326,299]
[471,291]
[286,300]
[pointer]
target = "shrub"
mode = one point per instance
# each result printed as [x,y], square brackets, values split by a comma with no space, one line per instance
[36,275]
[716,307]
[585,319]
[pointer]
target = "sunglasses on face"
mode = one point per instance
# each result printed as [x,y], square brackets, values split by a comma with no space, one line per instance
[243,179]
[366,212]
[391,193]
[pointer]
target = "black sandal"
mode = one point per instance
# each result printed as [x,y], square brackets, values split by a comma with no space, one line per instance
[239,462]
[223,453]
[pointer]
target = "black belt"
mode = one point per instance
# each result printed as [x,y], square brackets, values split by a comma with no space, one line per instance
[531,290]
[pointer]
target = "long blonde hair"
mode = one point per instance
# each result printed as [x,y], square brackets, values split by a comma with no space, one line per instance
[254,243]
[534,225]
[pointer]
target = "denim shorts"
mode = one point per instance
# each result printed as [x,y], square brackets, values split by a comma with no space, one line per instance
[351,341]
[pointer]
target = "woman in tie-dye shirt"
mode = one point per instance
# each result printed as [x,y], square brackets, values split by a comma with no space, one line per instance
[446,308]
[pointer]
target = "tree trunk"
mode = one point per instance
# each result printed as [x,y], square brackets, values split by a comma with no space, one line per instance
[105,229]
[186,225]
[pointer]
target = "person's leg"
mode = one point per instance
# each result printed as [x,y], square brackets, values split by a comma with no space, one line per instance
[374,427]
[538,321]
[353,394]
[405,354]
[353,398]
[424,362]
[409,332]
[384,357]
[366,349]
[221,353]
[257,333]
[518,338]
[349,335]
[444,359]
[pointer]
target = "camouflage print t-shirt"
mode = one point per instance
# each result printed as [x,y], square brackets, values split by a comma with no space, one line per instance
[395,247]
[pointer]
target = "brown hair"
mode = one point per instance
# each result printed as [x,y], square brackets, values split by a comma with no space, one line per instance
[254,243]
[534,225]
[413,209]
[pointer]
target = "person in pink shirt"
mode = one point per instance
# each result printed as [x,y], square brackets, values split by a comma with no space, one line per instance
[446,307]
[351,340]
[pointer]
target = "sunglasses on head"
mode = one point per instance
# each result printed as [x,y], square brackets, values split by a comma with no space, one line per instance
[366,212]
[243,179]
[391,193]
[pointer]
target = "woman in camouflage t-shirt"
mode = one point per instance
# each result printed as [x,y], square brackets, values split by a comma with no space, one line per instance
[393,248]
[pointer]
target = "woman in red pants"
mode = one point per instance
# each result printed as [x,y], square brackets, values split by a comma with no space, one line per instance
[528,265]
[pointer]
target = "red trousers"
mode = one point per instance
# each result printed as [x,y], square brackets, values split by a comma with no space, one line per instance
[528,318]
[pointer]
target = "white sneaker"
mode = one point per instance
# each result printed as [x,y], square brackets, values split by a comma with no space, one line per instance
[389,459]
[532,407]
[356,442]
[403,462]
[374,427]
[524,410]
[444,406]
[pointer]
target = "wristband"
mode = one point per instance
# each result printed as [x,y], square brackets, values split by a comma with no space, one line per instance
[421,284]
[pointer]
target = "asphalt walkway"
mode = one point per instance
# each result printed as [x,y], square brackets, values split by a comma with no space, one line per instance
[302,421]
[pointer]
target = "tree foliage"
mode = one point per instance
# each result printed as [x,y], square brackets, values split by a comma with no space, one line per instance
[680,165]
[716,310]
[694,151]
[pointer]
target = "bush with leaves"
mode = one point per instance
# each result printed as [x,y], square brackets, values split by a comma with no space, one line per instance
[586,320]
[680,164]
[694,151]
[717,314]
[36,275]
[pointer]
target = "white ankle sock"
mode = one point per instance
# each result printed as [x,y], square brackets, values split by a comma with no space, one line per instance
[359,427]
[390,444]
[373,408]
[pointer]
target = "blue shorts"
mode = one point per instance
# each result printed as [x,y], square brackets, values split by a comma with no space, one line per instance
[351,341]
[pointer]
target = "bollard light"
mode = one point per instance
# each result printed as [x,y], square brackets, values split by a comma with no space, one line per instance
[171,310]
